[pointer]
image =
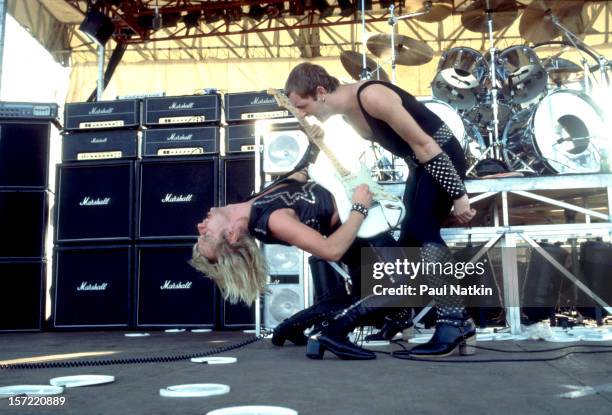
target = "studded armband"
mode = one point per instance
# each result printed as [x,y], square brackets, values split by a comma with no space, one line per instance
[442,170]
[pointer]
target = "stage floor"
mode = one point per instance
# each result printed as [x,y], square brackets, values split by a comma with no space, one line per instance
[269,375]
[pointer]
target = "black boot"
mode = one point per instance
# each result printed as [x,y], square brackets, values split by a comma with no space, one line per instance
[453,332]
[334,336]
[292,328]
[394,323]
[454,329]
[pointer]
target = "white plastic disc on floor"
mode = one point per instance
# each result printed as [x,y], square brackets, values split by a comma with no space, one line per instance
[195,390]
[174,330]
[81,380]
[250,331]
[201,330]
[136,334]
[253,410]
[215,360]
[30,390]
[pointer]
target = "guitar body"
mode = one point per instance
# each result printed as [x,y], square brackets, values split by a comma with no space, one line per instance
[383,216]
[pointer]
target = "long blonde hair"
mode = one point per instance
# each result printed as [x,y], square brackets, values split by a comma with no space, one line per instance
[240,271]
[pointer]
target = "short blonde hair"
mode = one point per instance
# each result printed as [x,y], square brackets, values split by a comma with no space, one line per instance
[240,270]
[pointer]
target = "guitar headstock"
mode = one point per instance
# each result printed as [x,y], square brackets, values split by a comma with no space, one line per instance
[280,97]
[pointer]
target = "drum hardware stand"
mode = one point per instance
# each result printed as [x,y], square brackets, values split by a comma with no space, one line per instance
[493,127]
[601,60]
[392,22]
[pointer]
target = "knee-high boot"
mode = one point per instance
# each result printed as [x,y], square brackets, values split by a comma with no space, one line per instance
[292,328]
[454,329]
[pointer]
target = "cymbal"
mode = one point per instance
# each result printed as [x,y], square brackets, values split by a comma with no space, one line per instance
[408,51]
[536,24]
[440,9]
[353,63]
[503,13]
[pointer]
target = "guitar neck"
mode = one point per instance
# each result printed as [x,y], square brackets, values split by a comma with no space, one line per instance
[319,142]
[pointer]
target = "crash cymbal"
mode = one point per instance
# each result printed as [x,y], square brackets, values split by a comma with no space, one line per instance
[353,63]
[503,13]
[440,9]
[408,51]
[536,24]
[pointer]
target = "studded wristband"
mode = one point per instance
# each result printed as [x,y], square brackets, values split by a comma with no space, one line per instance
[442,170]
[358,207]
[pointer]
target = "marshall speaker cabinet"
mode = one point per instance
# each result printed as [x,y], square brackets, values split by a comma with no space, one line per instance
[95,201]
[24,153]
[100,145]
[251,106]
[180,141]
[23,223]
[237,178]
[194,109]
[171,293]
[102,115]
[175,195]
[22,295]
[93,287]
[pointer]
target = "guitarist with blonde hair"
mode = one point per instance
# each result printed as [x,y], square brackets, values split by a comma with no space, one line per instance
[386,114]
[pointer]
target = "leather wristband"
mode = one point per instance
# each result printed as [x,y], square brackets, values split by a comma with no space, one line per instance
[443,171]
[358,207]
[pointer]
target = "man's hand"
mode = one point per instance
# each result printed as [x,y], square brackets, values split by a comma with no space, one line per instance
[462,210]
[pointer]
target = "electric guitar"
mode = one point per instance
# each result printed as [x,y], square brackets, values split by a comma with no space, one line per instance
[387,211]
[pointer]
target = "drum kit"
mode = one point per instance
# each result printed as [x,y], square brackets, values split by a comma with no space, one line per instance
[511,105]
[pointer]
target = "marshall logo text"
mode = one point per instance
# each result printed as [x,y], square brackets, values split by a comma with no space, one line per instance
[101,111]
[172,198]
[169,285]
[86,286]
[88,201]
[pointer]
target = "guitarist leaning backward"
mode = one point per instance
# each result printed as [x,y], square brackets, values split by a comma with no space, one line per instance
[302,214]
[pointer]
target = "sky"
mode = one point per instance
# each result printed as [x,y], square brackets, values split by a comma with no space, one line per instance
[29,73]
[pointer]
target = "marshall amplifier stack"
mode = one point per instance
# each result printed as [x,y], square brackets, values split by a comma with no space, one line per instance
[95,215]
[26,131]
[178,183]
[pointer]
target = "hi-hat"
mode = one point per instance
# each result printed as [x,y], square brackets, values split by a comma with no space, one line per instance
[440,9]
[353,63]
[536,24]
[475,16]
[408,51]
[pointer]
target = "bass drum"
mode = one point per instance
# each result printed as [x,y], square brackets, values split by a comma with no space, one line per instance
[467,133]
[564,133]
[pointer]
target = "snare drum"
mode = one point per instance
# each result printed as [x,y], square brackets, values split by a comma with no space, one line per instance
[564,133]
[524,75]
[468,135]
[460,72]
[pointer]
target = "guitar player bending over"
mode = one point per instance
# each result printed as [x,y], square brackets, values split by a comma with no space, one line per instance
[293,212]
[390,116]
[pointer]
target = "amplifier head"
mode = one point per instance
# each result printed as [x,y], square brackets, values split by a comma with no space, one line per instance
[175,195]
[180,141]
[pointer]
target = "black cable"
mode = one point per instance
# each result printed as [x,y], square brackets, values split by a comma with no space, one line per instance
[138,360]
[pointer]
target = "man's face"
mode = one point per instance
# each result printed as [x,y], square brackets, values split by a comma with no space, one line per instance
[211,231]
[309,106]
